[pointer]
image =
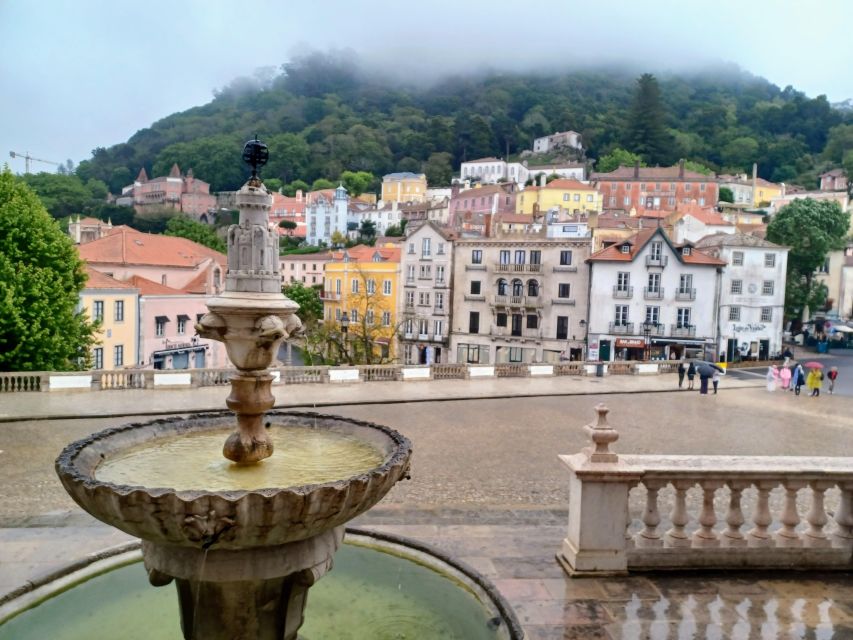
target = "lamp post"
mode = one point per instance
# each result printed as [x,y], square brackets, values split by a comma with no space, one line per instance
[582,325]
[344,329]
[648,327]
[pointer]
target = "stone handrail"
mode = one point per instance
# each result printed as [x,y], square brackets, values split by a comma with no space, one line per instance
[721,511]
[123,379]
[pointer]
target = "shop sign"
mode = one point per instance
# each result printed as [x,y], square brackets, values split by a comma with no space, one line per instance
[738,328]
[630,343]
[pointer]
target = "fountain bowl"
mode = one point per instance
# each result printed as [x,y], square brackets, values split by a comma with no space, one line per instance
[233,520]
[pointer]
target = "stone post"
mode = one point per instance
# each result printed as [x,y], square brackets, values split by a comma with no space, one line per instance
[598,505]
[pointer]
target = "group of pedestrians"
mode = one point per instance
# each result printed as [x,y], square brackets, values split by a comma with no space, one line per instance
[705,372]
[793,377]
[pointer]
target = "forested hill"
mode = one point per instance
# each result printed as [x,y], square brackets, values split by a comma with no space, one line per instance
[322,116]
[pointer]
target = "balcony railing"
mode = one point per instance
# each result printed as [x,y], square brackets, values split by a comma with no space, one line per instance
[441,284]
[685,294]
[410,282]
[570,268]
[329,295]
[778,511]
[475,267]
[475,297]
[518,268]
[622,328]
[650,293]
[439,311]
[654,328]
[623,292]
[533,302]
[687,331]
[659,261]
[567,301]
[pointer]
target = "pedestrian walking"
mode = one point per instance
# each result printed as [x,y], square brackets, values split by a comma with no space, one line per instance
[785,377]
[813,381]
[681,371]
[691,373]
[715,380]
[703,382]
[772,374]
[799,379]
[833,376]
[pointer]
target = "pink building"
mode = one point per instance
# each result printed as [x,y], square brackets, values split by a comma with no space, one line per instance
[488,199]
[833,180]
[309,268]
[287,208]
[182,192]
[167,337]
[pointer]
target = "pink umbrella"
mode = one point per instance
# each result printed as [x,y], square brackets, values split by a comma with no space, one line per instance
[813,365]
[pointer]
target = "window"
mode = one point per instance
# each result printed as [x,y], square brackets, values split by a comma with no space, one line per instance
[577,197]
[426,271]
[370,316]
[386,318]
[535,257]
[500,320]
[386,287]
[338,313]
[566,258]
[532,321]
[410,272]
[562,327]
[769,259]
[517,288]
[475,287]
[564,290]
[623,280]
[440,249]
[657,249]
[621,316]
[423,298]
[182,325]
[118,311]
[98,357]
[515,328]
[98,311]
[426,249]
[472,354]
[766,314]
[702,187]
[737,258]
[654,283]
[503,287]
[474,322]
[767,288]
[504,256]
[118,356]
[565,197]
[410,298]
[439,274]
[589,198]
[439,300]
[371,286]
[627,200]
[353,316]
[477,256]
[355,286]
[734,313]
[438,327]
[683,318]
[338,287]
[625,248]
[737,287]
[652,315]
[160,326]
[701,202]
[685,283]
[532,288]
[685,251]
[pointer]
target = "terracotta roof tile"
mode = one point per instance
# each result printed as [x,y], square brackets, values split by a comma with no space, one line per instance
[98,280]
[150,288]
[652,173]
[127,246]
[639,240]
[364,253]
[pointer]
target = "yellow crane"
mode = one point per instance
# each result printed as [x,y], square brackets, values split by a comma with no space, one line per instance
[28,159]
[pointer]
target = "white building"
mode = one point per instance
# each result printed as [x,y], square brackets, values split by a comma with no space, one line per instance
[570,139]
[427,269]
[493,170]
[324,216]
[652,299]
[382,215]
[697,223]
[752,295]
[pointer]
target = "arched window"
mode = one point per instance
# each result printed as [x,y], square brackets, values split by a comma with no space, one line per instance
[502,287]
[517,288]
[533,288]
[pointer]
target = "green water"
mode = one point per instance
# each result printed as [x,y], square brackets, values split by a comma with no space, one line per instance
[370,595]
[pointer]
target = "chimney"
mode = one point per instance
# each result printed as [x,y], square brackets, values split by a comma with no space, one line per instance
[543,180]
[754,182]
[637,169]
[681,169]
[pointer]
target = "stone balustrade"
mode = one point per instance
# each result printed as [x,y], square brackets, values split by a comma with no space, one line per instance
[122,379]
[740,512]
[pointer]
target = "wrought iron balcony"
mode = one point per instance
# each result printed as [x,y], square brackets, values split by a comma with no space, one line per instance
[656,261]
[684,331]
[653,294]
[685,294]
[623,292]
[517,268]
[622,328]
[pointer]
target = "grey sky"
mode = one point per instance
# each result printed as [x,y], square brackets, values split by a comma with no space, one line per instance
[77,75]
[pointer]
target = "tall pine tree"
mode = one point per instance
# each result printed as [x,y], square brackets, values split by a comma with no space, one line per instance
[647,133]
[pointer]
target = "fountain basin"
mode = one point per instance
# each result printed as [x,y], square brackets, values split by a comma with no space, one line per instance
[228,519]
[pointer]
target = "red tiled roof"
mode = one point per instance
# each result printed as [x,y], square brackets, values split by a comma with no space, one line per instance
[568,183]
[514,217]
[652,173]
[150,288]
[127,246]
[364,253]
[98,280]
[639,240]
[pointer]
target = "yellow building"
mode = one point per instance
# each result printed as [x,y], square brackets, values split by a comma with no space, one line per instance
[764,192]
[404,187]
[361,283]
[115,305]
[569,195]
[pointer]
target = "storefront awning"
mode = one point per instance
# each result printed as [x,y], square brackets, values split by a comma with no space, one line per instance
[169,352]
[161,318]
[679,341]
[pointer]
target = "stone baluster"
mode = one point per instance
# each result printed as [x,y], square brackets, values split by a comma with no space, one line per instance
[787,536]
[732,537]
[677,536]
[758,535]
[705,535]
[843,535]
[816,517]
[649,536]
[629,538]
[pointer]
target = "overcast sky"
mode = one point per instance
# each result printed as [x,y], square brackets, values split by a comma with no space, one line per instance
[75,75]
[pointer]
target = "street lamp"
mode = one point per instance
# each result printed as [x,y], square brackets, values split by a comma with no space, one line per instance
[648,328]
[344,329]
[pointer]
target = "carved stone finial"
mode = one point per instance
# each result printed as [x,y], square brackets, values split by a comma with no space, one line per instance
[602,435]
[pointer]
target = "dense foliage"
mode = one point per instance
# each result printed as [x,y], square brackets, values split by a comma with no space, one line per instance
[323,115]
[811,228]
[41,277]
[185,227]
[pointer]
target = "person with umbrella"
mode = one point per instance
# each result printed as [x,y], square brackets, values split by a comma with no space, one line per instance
[772,375]
[815,378]
[798,379]
[833,376]
[682,369]
[706,370]
[691,373]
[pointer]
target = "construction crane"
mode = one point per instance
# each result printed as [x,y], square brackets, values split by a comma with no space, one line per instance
[28,159]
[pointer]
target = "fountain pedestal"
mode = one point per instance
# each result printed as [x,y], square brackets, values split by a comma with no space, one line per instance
[255,593]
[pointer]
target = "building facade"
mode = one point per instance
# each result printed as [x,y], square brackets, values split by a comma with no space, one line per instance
[519,298]
[652,299]
[752,295]
[404,186]
[489,199]
[426,272]
[569,196]
[655,188]
[833,180]
[307,268]
[325,216]
[494,170]
[567,139]
[115,306]
[184,193]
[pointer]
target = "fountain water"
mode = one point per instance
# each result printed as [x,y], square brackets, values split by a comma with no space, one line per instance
[243,556]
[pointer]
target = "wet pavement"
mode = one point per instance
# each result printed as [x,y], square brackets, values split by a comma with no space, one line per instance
[487,488]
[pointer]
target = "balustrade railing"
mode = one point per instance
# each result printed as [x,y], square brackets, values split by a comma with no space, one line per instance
[511,370]
[449,371]
[18,382]
[705,511]
[121,380]
[304,375]
[569,369]
[378,372]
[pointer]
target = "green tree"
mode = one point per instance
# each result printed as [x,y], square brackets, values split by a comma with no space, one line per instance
[62,195]
[273,184]
[811,228]
[322,183]
[41,277]
[617,158]
[847,163]
[726,195]
[698,167]
[647,132]
[357,182]
[338,239]
[393,231]
[308,299]
[839,141]
[367,230]
[740,152]
[439,169]
[185,227]
[297,185]
[290,225]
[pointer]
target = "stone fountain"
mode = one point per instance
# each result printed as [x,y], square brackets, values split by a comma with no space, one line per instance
[242,558]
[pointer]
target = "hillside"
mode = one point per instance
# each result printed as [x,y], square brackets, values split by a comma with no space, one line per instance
[322,115]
